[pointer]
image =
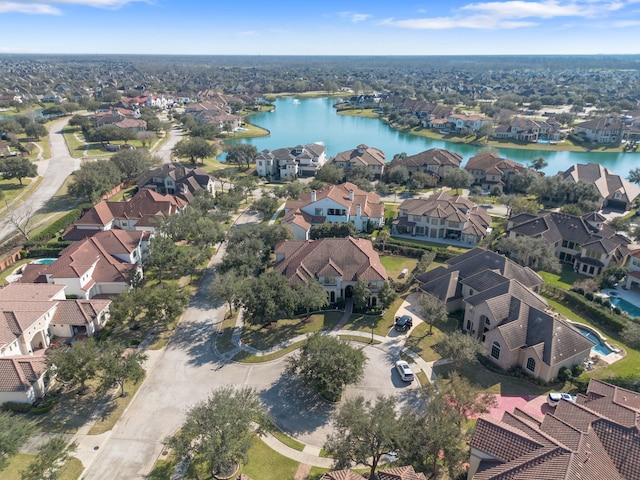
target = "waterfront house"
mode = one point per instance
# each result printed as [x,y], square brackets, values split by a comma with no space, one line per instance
[292,162]
[363,155]
[489,170]
[436,162]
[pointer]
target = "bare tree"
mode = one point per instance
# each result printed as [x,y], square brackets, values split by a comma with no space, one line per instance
[21,220]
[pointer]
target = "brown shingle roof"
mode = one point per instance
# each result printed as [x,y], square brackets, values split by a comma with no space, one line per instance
[18,373]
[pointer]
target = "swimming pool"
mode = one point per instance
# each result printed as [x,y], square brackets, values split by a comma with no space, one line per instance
[599,347]
[625,306]
[43,261]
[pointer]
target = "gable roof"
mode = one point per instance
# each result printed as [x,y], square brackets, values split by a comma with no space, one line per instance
[350,258]
[79,312]
[433,156]
[362,155]
[595,438]
[607,182]
[16,317]
[19,373]
[491,161]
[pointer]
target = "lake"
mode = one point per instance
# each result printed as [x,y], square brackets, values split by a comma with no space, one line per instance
[312,120]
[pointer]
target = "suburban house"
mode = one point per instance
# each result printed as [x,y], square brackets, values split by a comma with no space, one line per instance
[292,162]
[527,130]
[504,311]
[344,203]
[102,264]
[458,122]
[442,217]
[176,179]
[615,191]
[122,118]
[31,315]
[395,473]
[52,97]
[141,213]
[601,130]
[633,270]
[337,263]
[489,170]
[436,162]
[585,242]
[214,111]
[362,155]
[593,438]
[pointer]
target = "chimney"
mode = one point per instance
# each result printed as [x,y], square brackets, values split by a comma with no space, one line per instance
[313,195]
[351,193]
[358,210]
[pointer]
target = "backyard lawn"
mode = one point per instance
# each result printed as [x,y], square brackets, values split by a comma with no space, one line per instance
[565,279]
[395,264]
[11,188]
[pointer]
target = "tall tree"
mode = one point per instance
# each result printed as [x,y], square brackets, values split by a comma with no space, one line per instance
[50,459]
[634,175]
[387,295]
[330,174]
[195,149]
[327,364]
[458,178]
[14,432]
[76,365]
[133,163]
[165,303]
[432,310]
[361,295]
[310,296]
[219,431]
[164,256]
[119,365]
[226,288]
[242,154]
[364,433]
[265,296]
[530,252]
[18,167]
[538,163]
[94,179]
[463,349]
[35,130]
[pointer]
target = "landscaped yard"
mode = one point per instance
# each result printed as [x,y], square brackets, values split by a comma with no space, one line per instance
[11,188]
[423,344]
[565,279]
[17,463]
[395,264]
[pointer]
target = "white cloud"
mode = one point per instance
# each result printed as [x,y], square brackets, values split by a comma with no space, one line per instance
[512,14]
[355,17]
[50,7]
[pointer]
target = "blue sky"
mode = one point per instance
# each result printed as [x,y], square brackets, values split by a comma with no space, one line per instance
[308,27]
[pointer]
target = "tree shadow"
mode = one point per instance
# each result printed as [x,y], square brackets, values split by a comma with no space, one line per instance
[296,409]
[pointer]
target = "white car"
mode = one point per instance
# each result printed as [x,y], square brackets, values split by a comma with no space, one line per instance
[406,374]
[554,398]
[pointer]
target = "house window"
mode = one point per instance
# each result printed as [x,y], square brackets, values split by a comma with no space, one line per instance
[531,364]
[318,212]
[495,350]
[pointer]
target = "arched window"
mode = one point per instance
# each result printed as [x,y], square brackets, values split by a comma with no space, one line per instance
[531,364]
[495,350]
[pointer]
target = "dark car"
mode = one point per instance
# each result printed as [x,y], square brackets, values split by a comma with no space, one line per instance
[403,323]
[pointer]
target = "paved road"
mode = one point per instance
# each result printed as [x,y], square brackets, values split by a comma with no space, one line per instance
[55,171]
[164,152]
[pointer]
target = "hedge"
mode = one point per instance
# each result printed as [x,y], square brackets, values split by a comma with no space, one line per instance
[413,250]
[604,317]
[54,229]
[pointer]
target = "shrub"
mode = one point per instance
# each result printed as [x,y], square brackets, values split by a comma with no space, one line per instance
[16,407]
[577,370]
[598,300]
[589,296]
[134,342]
[55,228]
[45,407]
[564,374]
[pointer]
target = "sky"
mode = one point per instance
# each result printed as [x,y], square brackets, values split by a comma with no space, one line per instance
[328,27]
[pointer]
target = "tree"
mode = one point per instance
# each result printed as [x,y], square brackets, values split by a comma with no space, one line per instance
[219,431]
[242,154]
[465,397]
[387,295]
[195,148]
[458,178]
[119,365]
[50,459]
[225,287]
[165,303]
[14,432]
[432,310]
[94,179]
[330,174]
[35,130]
[634,175]
[20,219]
[164,256]
[146,137]
[75,365]
[621,224]
[462,348]
[398,175]
[292,189]
[531,252]
[133,163]
[327,364]
[539,163]
[18,167]
[359,174]
[364,433]
[128,306]
[266,205]
[265,296]
[518,204]
[420,180]
[361,295]
[383,237]
[310,296]
[520,182]
[631,334]
[332,230]
[425,262]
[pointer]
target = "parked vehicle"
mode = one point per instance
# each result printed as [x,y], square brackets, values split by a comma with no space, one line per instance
[406,374]
[554,398]
[403,323]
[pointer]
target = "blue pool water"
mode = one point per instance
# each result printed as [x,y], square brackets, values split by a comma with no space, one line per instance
[599,347]
[625,306]
[43,261]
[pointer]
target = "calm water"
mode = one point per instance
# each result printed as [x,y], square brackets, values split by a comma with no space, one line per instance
[625,306]
[599,347]
[315,120]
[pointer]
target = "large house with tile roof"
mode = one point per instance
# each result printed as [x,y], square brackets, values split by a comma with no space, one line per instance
[344,203]
[615,191]
[176,179]
[292,162]
[394,473]
[594,438]
[586,242]
[504,311]
[527,130]
[458,122]
[601,130]
[633,270]
[436,162]
[363,156]
[336,263]
[489,170]
[442,217]
[31,316]
[141,213]
[102,264]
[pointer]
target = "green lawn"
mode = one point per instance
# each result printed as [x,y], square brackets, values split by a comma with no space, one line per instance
[359,112]
[11,188]
[71,471]
[423,344]
[565,279]
[395,264]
